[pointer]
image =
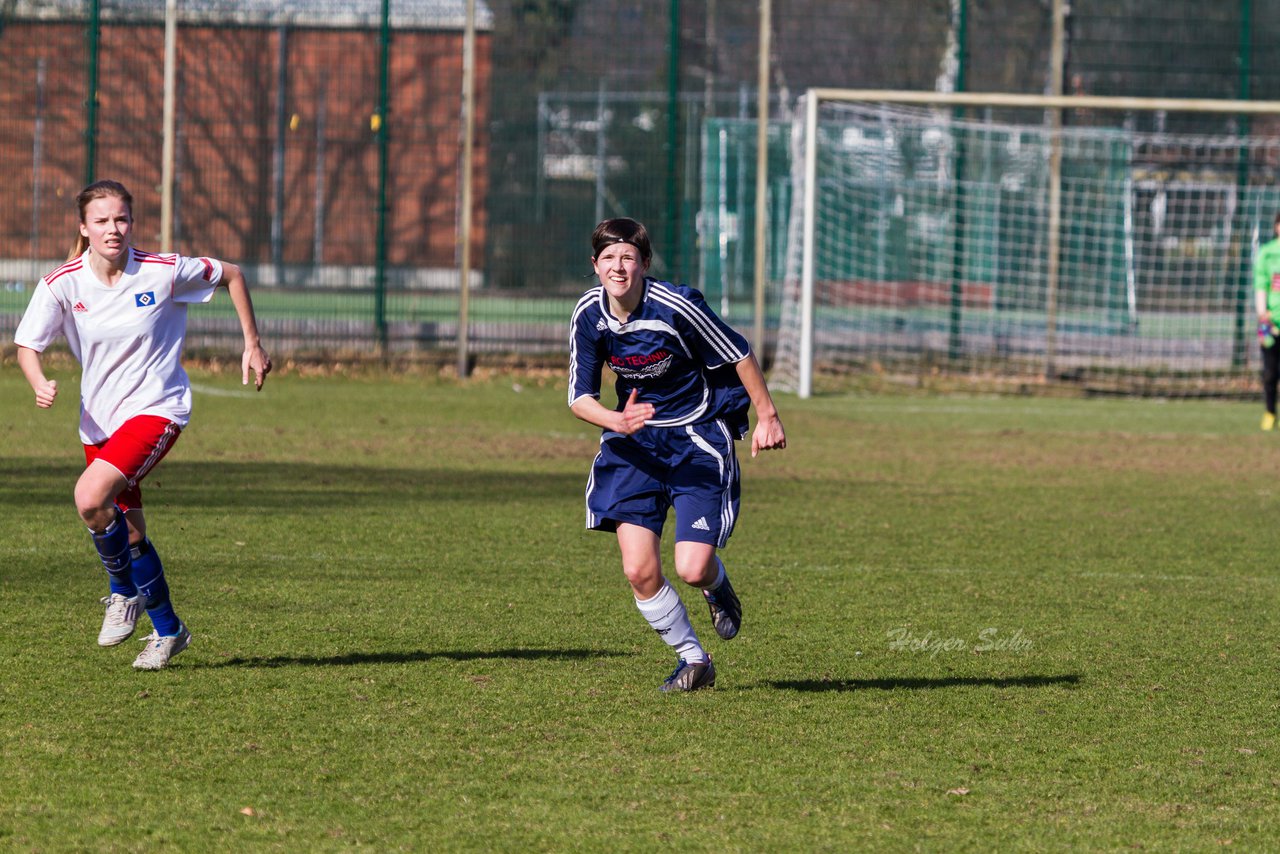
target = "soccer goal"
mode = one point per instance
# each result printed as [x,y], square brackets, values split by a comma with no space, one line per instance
[1070,237]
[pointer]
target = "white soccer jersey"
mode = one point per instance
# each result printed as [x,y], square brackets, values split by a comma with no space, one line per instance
[128,338]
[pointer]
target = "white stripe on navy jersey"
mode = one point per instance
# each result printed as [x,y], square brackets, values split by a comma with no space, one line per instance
[588,299]
[689,311]
[691,418]
[654,325]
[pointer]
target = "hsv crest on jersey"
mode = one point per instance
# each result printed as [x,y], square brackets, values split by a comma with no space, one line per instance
[145,299]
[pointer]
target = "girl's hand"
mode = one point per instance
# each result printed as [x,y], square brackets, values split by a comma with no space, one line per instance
[768,435]
[255,359]
[45,393]
[634,415]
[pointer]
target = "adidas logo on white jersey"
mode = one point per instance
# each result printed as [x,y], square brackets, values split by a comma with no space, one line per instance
[701,524]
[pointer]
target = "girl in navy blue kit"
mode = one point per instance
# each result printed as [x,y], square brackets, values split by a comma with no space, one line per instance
[685,384]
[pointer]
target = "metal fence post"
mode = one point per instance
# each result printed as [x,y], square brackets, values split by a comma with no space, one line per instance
[762,180]
[170,124]
[1245,267]
[380,128]
[91,105]
[278,159]
[464,203]
[1053,264]
[672,215]
[955,340]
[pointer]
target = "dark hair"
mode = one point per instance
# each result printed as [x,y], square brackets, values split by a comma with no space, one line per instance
[97,190]
[621,230]
[1275,221]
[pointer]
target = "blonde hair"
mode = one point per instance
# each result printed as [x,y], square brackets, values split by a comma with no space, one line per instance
[97,190]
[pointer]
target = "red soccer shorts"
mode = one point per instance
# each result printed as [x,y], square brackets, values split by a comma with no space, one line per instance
[134,450]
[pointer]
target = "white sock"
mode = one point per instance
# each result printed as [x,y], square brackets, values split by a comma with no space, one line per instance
[715,585]
[666,613]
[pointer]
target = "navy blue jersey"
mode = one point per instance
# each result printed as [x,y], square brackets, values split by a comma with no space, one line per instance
[674,349]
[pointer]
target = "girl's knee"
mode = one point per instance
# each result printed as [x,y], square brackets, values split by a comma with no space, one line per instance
[95,505]
[96,516]
[643,575]
[698,569]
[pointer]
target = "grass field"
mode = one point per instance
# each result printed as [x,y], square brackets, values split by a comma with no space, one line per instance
[971,624]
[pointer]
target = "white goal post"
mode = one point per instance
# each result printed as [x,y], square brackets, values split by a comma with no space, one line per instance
[1036,267]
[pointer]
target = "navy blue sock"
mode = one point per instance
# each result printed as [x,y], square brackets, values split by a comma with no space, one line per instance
[148,576]
[113,548]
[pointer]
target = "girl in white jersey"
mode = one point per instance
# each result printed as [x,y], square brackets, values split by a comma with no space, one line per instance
[124,315]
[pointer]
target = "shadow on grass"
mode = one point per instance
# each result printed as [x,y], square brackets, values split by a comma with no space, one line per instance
[409,657]
[280,488]
[915,684]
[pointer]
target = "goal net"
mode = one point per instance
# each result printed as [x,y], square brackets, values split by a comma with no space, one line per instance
[1093,244]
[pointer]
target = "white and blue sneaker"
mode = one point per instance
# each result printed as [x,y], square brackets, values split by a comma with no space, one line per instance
[120,620]
[691,677]
[159,650]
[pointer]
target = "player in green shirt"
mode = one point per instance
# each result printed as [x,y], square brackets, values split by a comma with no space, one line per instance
[1266,299]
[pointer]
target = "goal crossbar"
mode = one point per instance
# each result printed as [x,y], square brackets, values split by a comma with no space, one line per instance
[1048,102]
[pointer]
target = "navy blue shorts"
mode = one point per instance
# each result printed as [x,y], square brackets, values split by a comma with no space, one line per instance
[638,478]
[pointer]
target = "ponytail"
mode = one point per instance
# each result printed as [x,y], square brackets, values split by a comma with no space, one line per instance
[81,244]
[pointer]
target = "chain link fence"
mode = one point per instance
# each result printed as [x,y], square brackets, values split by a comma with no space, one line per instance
[318,144]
